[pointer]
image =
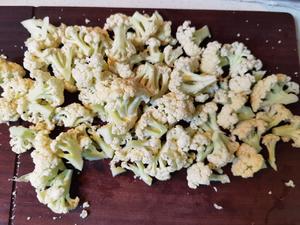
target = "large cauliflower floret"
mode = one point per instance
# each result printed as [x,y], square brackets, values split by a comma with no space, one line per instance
[9,70]
[154,78]
[186,82]
[173,156]
[274,89]
[21,138]
[8,111]
[250,132]
[88,71]
[274,115]
[211,60]
[122,48]
[15,88]
[73,115]
[42,32]
[175,108]
[290,131]
[146,26]
[270,141]
[136,156]
[190,38]
[247,162]
[201,174]
[152,124]
[240,59]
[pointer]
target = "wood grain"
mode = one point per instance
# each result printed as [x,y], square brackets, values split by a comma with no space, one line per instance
[123,200]
[12,37]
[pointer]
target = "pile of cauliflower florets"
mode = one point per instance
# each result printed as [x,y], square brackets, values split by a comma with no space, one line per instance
[168,104]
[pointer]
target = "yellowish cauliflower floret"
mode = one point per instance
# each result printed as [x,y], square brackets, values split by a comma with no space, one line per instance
[8,111]
[16,88]
[10,70]
[247,162]
[270,141]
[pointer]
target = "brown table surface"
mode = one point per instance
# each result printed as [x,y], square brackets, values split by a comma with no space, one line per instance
[123,200]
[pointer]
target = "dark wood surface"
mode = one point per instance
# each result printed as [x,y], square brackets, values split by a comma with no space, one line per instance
[123,200]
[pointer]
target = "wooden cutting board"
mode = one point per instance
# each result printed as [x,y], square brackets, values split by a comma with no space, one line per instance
[123,200]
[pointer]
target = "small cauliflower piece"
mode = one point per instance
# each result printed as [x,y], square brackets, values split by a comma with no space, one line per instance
[9,70]
[201,142]
[242,84]
[16,88]
[8,111]
[171,55]
[240,59]
[57,195]
[227,118]
[174,107]
[122,48]
[270,141]
[186,82]
[247,162]
[22,139]
[32,62]
[201,174]
[187,64]
[290,131]
[250,132]
[190,38]
[274,89]
[73,115]
[152,124]
[211,60]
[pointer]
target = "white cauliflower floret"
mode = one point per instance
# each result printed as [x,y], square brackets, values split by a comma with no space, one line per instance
[175,108]
[187,64]
[122,48]
[9,70]
[211,61]
[243,83]
[154,55]
[221,96]
[274,89]
[201,174]
[201,142]
[73,115]
[240,59]
[247,162]
[8,111]
[171,55]
[190,38]
[32,62]
[16,88]
[21,139]
[227,117]
[152,124]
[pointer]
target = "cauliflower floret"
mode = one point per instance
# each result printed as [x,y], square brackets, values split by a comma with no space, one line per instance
[154,55]
[211,61]
[57,196]
[8,111]
[146,26]
[173,155]
[270,141]
[46,88]
[201,142]
[250,132]
[9,70]
[221,97]
[122,48]
[201,174]
[187,64]
[21,139]
[16,88]
[242,84]
[186,82]
[275,115]
[290,131]
[274,89]
[152,124]
[32,62]
[240,59]
[227,117]
[89,71]
[175,108]
[73,115]
[247,162]
[190,38]
[171,55]
[154,78]
[136,156]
